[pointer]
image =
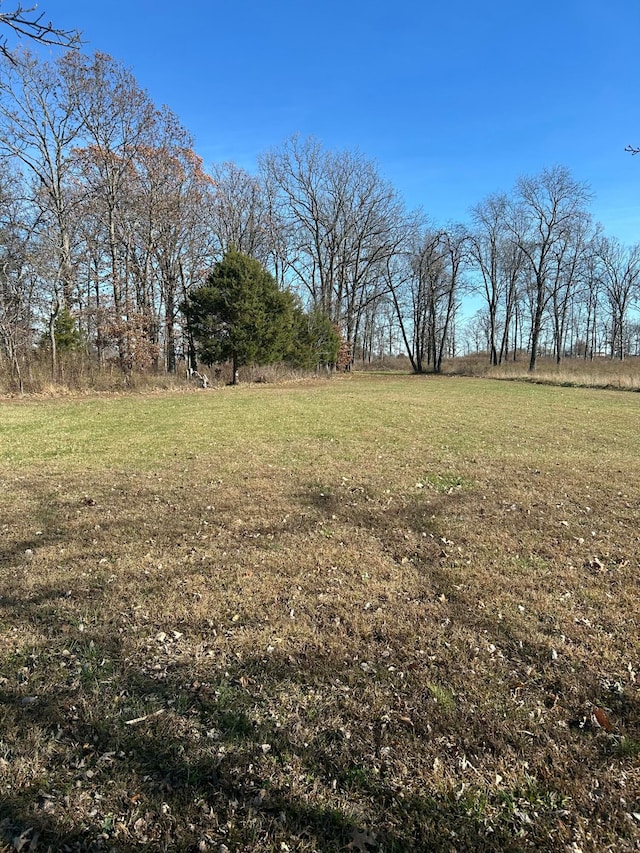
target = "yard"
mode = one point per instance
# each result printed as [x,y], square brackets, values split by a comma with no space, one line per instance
[373,613]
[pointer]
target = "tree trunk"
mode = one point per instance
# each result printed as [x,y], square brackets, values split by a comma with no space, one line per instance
[536,327]
[52,340]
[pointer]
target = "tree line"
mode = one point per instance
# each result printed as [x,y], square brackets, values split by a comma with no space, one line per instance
[110,224]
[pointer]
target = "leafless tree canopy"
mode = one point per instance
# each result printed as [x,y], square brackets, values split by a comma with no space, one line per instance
[26,22]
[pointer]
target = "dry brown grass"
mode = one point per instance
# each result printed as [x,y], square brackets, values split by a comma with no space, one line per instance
[79,375]
[375,614]
[599,372]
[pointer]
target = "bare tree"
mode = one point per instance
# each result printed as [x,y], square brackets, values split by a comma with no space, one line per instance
[549,208]
[18,280]
[569,259]
[298,178]
[25,21]
[591,300]
[40,125]
[399,279]
[370,225]
[619,269]
[118,118]
[439,265]
[342,222]
[240,212]
[180,194]
[425,296]
[500,263]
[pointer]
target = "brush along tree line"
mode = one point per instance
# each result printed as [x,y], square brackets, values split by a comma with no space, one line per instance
[108,218]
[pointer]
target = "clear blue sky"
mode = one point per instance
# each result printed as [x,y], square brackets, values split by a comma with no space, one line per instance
[454,100]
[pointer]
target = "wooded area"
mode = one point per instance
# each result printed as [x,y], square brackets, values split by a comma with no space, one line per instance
[109,220]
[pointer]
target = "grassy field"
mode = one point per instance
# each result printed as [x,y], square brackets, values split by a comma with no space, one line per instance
[367,614]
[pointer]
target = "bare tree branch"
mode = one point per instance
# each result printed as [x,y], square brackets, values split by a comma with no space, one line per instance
[26,22]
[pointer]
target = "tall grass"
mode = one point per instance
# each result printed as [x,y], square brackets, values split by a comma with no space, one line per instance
[595,373]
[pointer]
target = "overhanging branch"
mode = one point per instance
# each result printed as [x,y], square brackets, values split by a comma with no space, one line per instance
[26,22]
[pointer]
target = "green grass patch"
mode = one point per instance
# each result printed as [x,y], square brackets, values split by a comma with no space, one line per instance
[447,482]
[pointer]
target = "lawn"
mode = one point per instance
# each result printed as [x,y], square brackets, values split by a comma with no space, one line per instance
[370,614]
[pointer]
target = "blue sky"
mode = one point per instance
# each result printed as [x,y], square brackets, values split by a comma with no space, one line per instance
[453,100]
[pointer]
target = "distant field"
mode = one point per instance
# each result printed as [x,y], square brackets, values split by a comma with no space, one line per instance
[367,614]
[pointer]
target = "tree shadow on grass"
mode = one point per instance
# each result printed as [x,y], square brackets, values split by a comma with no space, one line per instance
[560,690]
[20,550]
[193,755]
[175,794]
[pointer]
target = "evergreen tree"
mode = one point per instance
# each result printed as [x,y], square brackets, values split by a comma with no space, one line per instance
[240,315]
[68,336]
[316,342]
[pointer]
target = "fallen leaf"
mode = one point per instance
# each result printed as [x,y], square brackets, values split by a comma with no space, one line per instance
[602,719]
[25,841]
